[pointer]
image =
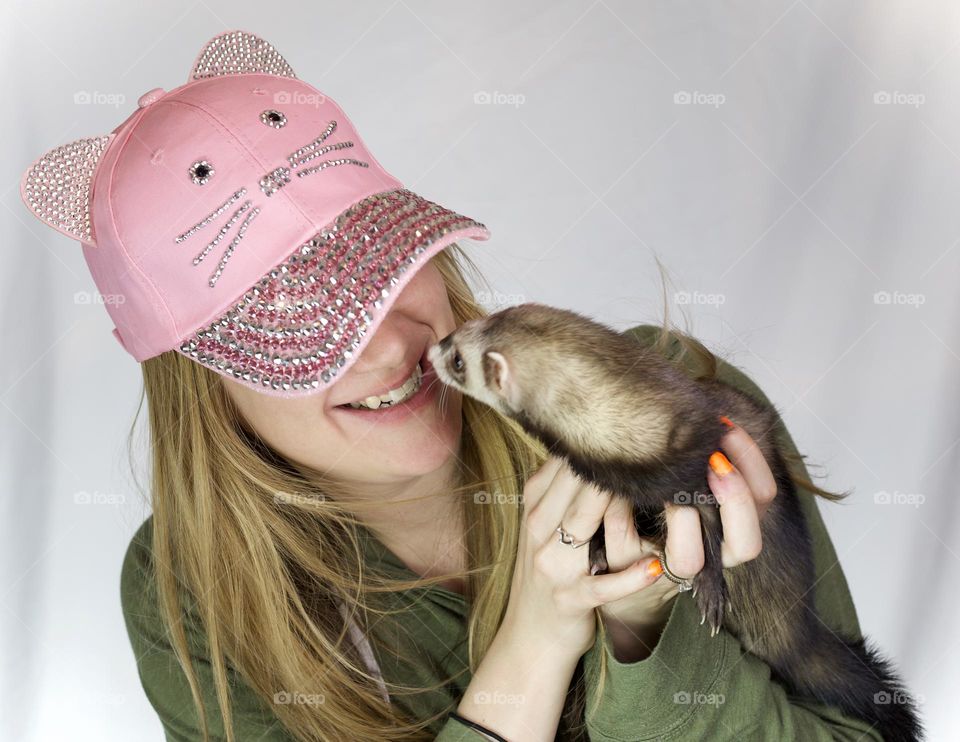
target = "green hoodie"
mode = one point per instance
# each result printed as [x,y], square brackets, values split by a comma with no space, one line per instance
[691,687]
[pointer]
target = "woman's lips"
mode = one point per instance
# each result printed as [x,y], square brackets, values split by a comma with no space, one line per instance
[400,411]
[428,378]
[396,384]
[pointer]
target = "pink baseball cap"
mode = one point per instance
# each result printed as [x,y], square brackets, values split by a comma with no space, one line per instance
[240,220]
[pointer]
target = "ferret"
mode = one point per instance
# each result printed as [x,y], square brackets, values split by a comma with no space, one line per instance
[637,425]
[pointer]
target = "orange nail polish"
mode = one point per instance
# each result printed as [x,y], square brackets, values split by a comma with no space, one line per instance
[720,464]
[655,569]
[726,421]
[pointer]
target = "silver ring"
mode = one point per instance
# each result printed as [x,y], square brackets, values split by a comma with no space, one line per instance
[683,584]
[566,538]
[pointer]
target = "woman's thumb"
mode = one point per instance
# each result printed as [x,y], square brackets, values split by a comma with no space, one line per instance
[613,586]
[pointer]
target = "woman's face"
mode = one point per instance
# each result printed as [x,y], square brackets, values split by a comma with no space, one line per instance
[360,447]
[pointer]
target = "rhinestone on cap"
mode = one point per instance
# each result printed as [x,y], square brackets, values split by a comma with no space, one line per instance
[273,118]
[201,171]
[57,186]
[312,150]
[301,321]
[237,53]
[274,180]
[224,230]
[211,216]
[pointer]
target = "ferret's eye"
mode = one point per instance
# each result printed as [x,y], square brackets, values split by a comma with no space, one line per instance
[457,361]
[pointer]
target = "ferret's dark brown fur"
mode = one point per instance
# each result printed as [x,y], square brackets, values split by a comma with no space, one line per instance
[637,425]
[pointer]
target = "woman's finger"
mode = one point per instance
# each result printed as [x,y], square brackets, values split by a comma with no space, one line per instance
[684,547]
[569,502]
[585,512]
[738,512]
[612,586]
[622,543]
[538,482]
[743,452]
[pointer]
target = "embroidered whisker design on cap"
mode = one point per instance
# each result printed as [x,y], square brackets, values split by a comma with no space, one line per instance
[310,150]
[211,216]
[341,246]
[233,243]
[294,156]
[222,233]
[331,163]
[322,151]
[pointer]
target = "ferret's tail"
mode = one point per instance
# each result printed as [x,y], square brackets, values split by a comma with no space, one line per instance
[857,679]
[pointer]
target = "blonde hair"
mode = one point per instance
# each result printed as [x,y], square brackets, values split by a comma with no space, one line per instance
[265,580]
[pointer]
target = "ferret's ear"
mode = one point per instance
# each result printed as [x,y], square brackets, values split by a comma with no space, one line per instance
[497,370]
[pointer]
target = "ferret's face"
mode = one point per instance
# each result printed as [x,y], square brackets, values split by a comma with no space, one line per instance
[501,359]
[466,361]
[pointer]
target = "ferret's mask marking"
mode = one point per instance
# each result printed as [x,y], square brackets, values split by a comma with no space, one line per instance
[485,376]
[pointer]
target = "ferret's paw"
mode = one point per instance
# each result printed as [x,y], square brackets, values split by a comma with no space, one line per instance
[711,598]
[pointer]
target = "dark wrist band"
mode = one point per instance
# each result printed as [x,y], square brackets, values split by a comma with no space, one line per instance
[479,728]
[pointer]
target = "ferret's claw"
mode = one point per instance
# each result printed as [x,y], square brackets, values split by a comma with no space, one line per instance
[711,600]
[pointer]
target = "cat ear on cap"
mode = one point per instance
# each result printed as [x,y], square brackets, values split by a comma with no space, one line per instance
[239,53]
[56,186]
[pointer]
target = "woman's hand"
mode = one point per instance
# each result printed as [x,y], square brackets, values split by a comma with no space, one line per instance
[743,493]
[550,620]
[553,595]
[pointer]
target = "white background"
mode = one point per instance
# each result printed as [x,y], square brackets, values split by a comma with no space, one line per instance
[781,198]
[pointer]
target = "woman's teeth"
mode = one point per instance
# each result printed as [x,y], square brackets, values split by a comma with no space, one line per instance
[409,388]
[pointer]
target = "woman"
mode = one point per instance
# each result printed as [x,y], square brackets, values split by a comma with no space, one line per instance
[314,571]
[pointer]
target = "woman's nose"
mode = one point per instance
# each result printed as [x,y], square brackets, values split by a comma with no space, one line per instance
[387,349]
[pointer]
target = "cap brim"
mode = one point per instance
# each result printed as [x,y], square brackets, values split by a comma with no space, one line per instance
[304,323]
